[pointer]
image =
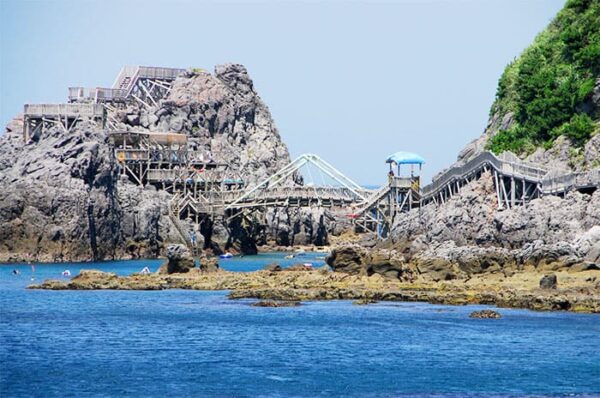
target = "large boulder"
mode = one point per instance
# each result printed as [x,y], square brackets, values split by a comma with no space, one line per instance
[350,259]
[179,259]
[593,256]
[355,260]
[445,261]
[209,264]
[548,282]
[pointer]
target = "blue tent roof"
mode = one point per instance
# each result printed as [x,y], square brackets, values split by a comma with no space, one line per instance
[405,158]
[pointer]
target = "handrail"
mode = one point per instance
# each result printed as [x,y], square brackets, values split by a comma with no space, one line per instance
[513,168]
[576,180]
[64,109]
[507,164]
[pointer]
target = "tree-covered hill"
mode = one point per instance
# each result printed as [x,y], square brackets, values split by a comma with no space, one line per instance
[550,89]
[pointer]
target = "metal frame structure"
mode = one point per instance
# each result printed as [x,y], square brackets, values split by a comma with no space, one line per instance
[399,195]
[279,190]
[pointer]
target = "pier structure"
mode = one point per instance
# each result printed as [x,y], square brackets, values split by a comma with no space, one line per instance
[39,117]
[165,161]
[515,182]
[205,190]
[199,184]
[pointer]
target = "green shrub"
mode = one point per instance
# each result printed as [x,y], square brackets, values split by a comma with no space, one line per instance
[514,139]
[579,129]
[546,84]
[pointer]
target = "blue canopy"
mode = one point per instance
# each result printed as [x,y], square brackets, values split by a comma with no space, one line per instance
[405,158]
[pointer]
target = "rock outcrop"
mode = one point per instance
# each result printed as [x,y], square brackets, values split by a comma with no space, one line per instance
[59,199]
[520,291]
[548,282]
[62,196]
[357,260]
[179,260]
[470,235]
[485,314]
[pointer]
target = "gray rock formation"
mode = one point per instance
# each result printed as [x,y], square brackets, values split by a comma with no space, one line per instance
[62,197]
[58,200]
[179,260]
[356,260]
[548,282]
[300,226]
[470,235]
[223,115]
[472,217]
[485,314]
[209,264]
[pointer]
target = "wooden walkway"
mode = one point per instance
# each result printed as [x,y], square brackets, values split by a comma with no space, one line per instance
[516,182]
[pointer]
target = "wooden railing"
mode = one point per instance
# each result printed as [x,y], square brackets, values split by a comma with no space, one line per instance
[580,180]
[508,165]
[501,164]
[73,110]
[129,74]
[151,72]
[97,94]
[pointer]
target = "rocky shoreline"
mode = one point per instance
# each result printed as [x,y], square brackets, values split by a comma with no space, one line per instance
[578,292]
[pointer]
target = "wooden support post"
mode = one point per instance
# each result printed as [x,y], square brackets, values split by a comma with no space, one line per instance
[26,128]
[512,192]
[505,194]
[498,190]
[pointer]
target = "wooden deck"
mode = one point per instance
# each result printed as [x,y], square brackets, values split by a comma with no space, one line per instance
[63,110]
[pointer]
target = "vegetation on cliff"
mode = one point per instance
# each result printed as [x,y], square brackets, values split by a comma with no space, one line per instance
[549,88]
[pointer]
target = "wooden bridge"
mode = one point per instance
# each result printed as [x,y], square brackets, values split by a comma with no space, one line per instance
[203,189]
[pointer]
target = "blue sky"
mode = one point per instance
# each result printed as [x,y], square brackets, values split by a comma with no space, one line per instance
[349,80]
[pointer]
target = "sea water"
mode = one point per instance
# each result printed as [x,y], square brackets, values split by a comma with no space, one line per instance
[194,343]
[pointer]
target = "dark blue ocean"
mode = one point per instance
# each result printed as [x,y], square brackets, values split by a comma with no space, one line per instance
[179,343]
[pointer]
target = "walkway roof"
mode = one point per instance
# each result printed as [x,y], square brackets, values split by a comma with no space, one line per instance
[405,158]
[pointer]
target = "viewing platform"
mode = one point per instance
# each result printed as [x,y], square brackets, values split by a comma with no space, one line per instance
[68,110]
[39,117]
[143,84]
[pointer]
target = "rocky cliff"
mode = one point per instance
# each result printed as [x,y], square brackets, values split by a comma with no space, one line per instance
[62,198]
[469,235]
